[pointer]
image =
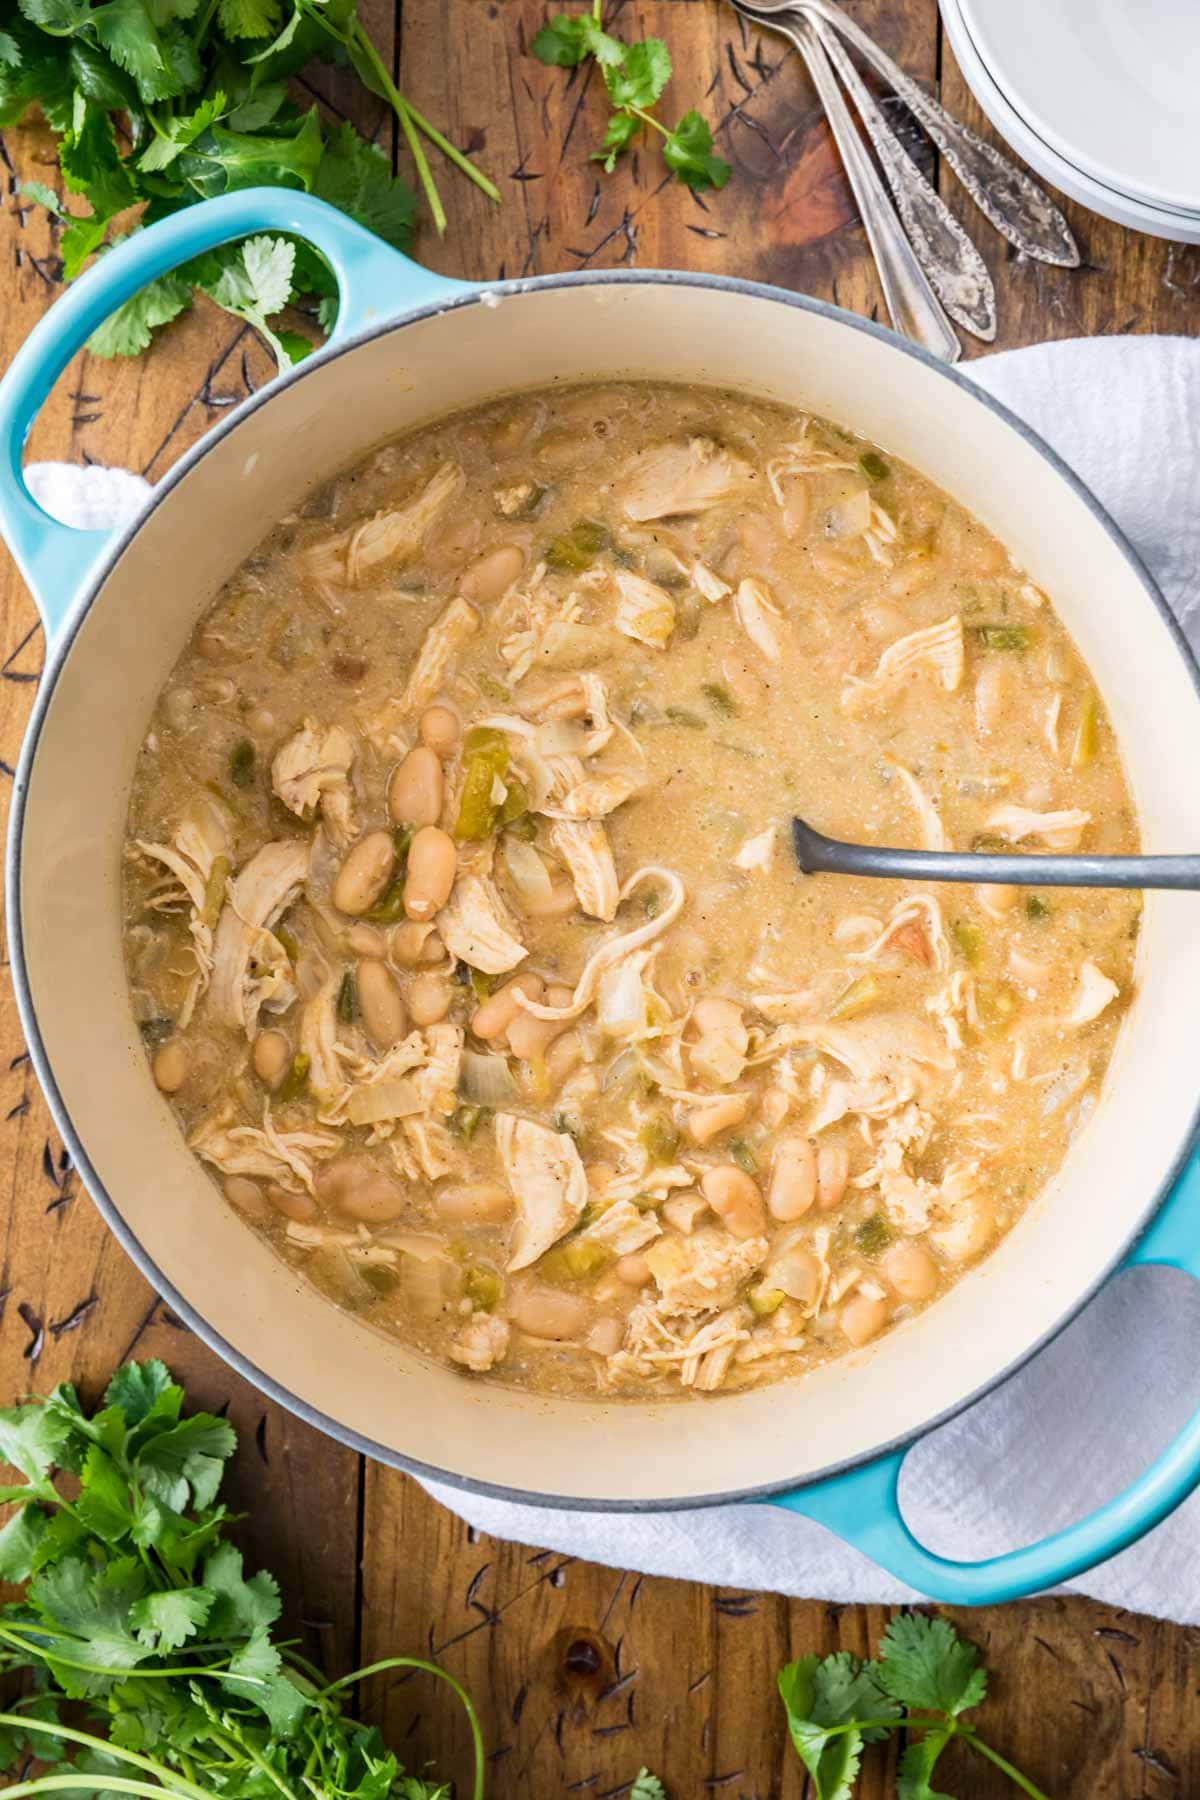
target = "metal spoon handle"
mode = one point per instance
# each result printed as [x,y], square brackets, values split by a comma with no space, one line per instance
[819,855]
[954,266]
[1019,209]
[914,307]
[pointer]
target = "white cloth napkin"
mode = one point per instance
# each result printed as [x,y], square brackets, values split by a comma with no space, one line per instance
[1088,1414]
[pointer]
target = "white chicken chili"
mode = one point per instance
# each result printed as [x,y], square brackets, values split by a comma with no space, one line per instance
[464,933]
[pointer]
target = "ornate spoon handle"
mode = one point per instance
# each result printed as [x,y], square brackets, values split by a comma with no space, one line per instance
[954,266]
[1020,210]
[914,308]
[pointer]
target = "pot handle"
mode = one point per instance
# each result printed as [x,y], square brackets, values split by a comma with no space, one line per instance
[862,1506]
[374,283]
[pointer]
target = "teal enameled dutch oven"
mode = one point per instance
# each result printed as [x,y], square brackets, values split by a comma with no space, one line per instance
[410,346]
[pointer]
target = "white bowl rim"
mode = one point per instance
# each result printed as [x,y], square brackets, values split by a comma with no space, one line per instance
[1175,224]
[58,652]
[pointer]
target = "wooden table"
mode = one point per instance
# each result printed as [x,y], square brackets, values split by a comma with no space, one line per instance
[1093,1703]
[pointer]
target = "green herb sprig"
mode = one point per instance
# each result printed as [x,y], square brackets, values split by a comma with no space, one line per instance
[137,1610]
[925,1679]
[159,103]
[635,76]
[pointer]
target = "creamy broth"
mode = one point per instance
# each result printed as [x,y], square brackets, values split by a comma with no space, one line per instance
[463,927]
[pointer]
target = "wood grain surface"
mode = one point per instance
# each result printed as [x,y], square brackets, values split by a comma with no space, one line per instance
[581,1673]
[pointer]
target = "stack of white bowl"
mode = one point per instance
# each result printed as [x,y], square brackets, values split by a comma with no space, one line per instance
[1101,97]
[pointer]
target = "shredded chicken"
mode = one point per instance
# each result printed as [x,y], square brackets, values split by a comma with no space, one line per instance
[708,584]
[937,649]
[481,1343]
[676,479]
[933,832]
[1094,993]
[198,858]
[389,538]
[313,769]
[757,852]
[923,911]
[616,948]
[594,798]
[623,1228]
[584,847]
[803,457]
[704,1271]
[548,1184]
[251,970]
[758,616]
[1060,830]
[443,641]
[645,611]
[267,1154]
[476,928]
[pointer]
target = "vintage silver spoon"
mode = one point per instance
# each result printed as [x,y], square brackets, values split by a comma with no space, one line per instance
[959,274]
[820,855]
[914,308]
[1019,209]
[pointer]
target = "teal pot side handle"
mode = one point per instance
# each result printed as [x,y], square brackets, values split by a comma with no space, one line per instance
[375,283]
[862,1507]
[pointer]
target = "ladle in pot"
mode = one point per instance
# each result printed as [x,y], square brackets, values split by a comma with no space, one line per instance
[820,855]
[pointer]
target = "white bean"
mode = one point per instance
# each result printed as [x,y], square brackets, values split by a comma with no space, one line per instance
[380,1003]
[474,1203]
[793,1177]
[365,873]
[547,1312]
[910,1269]
[440,729]
[494,1015]
[271,1058]
[863,1317]
[429,999]
[833,1172]
[171,1067]
[417,788]
[357,1189]
[432,866]
[491,574]
[735,1198]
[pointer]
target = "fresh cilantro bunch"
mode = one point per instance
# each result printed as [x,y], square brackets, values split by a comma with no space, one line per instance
[160,103]
[635,76]
[926,1677]
[137,1609]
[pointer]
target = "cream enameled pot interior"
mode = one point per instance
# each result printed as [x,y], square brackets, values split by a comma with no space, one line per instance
[72,829]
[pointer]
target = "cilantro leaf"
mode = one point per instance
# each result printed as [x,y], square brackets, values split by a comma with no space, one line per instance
[564,42]
[622,127]
[162,62]
[821,1694]
[103,1504]
[181,131]
[10,51]
[647,1787]
[688,151]
[91,162]
[62,17]
[917,1764]
[248,18]
[137,1386]
[80,1600]
[239,1606]
[45,196]
[19,1539]
[641,75]
[82,238]
[190,1454]
[924,1663]
[165,1621]
[30,1441]
[357,178]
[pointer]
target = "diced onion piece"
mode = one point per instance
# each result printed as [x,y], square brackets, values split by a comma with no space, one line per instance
[485,1079]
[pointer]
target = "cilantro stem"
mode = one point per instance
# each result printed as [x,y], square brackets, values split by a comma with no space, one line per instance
[648,118]
[236,1747]
[9,1634]
[401,109]
[454,154]
[993,1756]
[428,1668]
[117,1784]
[118,1751]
